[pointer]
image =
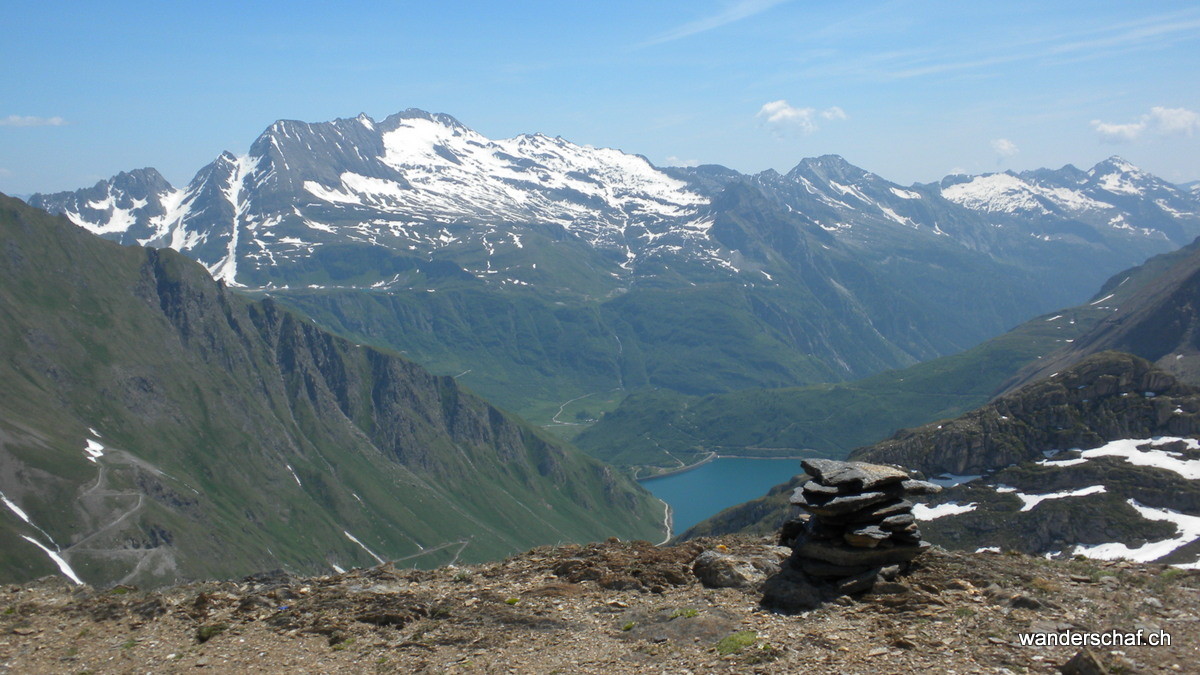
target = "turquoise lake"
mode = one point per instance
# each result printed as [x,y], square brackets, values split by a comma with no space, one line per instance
[706,490]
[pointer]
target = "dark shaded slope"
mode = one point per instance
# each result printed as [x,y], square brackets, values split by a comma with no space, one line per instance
[1158,323]
[236,436]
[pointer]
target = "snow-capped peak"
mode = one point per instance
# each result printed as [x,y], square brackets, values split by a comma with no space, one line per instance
[1119,176]
[434,168]
[1114,164]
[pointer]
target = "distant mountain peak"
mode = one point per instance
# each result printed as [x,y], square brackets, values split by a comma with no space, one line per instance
[136,181]
[828,167]
[1114,163]
[825,162]
[417,113]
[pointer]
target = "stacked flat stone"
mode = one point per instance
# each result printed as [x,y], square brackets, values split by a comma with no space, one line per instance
[859,527]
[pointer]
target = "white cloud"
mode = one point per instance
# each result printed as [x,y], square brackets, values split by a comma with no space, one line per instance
[1004,147]
[834,113]
[675,161]
[1118,133]
[734,12]
[1159,121]
[31,121]
[5,172]
[780,113]
[1174,121]
[781,116]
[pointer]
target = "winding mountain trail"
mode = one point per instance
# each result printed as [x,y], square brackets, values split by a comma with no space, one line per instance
[461,543]
[667,523]
[555,421]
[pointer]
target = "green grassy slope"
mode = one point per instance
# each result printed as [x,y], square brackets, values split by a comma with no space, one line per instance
[239,436]
[826,420]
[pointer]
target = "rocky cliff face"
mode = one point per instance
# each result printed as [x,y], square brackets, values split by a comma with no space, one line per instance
[155,426]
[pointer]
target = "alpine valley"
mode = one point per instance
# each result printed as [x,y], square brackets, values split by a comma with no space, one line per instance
[554,278]
[161,425]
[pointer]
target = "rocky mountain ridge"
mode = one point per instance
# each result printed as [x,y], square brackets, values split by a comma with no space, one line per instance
[403,183]
[1159,324]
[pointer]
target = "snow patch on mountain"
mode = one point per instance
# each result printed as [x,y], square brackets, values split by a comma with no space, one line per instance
[1143,452]
[93,450]
[1188,528]
[63,566]
[925,513]
[1119,183]
[448,171]
[1006,193]
[897,217]
[118,219]
[175,208]
[15,509]
[363,547]
[1119,176]
[905,194]
[1028,502]
[850,190]
[225,269]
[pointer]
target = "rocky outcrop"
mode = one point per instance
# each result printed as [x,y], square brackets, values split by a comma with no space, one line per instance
[720,569]
[859,528]
[1107,396]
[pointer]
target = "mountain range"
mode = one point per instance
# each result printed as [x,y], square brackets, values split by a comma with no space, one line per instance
[589,272]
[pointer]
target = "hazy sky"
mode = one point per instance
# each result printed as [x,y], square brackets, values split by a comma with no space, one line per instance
[909,90]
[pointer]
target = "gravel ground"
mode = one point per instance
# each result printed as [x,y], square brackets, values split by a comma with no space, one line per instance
[613,607]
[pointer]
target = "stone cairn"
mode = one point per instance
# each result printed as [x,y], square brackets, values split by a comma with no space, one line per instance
[858,529]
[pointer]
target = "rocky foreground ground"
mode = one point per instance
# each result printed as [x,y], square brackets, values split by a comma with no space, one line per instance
[614,607]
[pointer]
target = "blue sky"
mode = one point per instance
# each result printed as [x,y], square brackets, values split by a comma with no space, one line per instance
[910,90]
